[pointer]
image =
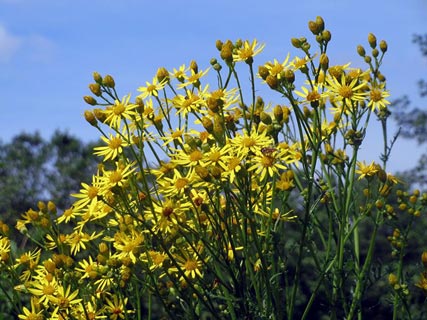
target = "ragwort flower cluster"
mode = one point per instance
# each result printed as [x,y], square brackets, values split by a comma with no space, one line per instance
[196,189]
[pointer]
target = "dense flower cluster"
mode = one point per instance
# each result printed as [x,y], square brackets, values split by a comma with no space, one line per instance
[196,185]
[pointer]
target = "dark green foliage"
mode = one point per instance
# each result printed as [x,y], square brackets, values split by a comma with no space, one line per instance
[32,169]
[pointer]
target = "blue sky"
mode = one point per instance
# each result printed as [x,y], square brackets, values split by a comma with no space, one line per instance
[49,49]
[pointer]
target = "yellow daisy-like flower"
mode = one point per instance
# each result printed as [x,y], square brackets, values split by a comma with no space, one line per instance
[114,147]
[89,194]
[365,170]
[312,96]
[4,249]
[250,143]
[276,68]
[34,314]
[64,298]
[152,89]
[121,109]
[116,308]
[193,78]
[377,98]
[268,163]
[248,51]
[116,177]
[128,245]
[344,91]
[190,103]
[178,185]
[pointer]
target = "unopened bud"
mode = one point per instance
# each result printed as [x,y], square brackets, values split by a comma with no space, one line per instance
[99,114]
[227,51]
[265,118]
[97,77]
[289,75]
[313,27]
[218,45]
[194,66]
[263,72]
[375,52]
[372,40]
[272,82]
[278,113]
[162,74]
[90,117]
[51,207]
[320,23]
[90,100]
[383,46]
[95,88]
[361,51]
[296,43]
[108,81]
[368,59]
[217,67]
[324,61]
[207,124]
[326,35]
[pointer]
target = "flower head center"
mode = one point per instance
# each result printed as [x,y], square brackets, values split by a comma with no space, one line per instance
[346,92]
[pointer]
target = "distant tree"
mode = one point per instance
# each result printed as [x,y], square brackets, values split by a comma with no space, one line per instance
[413,123]
[32,169]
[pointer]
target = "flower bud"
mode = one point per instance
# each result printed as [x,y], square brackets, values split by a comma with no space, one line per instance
[90,117]
[108,81]
[272,82]
[227,52]
[361,51]
[51,207]
[320,23]
[90,100]
[194,67]
[383,46]
[368,59]
[265,118]
[296,43]
[326,35]
[213,61]
[217,67]
[313,27]
[289,75]
[207,124]
[99,114]
[324,61]
[263,72]
[278,113]
[218,45]
[372,40]
[95,88]
[375,52]
[162,74]
[97,77]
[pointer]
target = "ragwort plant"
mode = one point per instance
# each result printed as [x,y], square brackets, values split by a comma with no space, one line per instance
[211,203]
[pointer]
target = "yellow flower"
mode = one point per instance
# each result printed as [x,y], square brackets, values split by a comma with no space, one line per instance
[190,264]
[116,177]
[64,300]
[377,98]
[43,289]
[121,109]
[34,314]
[250,143]
[128,245]
[365,170]
[192,102]
[248,51]
[4,249]
[268,163]
[344,90]
[89,194]
[178,185]
[152,89]
[192,79]
[276,68]
[117,308]
[114,147]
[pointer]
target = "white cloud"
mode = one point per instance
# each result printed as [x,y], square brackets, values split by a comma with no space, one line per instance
[9,44]
[41,48]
